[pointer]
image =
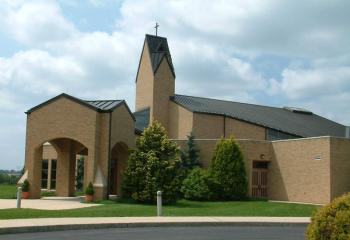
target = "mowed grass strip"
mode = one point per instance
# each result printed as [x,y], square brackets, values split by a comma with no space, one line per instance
[181,208]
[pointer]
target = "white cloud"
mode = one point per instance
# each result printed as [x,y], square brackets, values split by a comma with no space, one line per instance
[37,72]
[315,83]
[36,23]
[214,47]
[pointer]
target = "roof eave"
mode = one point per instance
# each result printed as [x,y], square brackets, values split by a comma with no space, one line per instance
[74,99]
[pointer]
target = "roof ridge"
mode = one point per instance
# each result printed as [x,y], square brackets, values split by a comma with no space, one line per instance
[102,100]
[151,35]
[222,100]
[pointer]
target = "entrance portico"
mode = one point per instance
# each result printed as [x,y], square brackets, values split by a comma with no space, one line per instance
[76,127]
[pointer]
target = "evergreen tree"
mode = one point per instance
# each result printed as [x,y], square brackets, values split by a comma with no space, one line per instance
[228,170]
[154,165]
[190,156]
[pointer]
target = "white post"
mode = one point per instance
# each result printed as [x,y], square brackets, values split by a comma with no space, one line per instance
[159,203]
[19,197]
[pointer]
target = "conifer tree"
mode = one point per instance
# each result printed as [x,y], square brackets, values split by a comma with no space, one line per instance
[153,166]
[228,170]
[190,156]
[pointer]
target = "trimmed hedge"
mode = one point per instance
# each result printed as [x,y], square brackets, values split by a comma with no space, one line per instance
[332,221]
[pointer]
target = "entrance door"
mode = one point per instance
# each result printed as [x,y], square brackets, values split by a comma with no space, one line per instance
[259,179]
[113,178]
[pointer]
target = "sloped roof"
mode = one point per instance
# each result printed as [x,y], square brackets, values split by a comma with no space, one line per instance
[299,123]
[97,105]
[104,105]
[159,49]
[142,119]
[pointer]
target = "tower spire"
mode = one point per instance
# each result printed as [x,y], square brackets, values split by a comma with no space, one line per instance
[156,27]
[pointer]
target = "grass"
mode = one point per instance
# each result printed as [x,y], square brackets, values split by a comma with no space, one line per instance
[181,208]
[8,191]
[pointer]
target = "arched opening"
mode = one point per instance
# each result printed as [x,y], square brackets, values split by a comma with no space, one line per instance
[119,160]
[62,167]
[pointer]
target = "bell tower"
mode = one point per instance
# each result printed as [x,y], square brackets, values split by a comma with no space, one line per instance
[155,79]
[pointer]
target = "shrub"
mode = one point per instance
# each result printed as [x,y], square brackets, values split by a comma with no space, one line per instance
[228,170]
[332,221]
[154,165]
[89,189]
[25,186]
[198,185]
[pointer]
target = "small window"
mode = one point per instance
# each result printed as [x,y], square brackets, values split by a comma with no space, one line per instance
[273,135]
[260,164]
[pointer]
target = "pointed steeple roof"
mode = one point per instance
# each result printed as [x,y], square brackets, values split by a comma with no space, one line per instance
[158,49]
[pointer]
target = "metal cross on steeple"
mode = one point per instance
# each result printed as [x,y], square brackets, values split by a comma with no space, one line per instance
[156,27]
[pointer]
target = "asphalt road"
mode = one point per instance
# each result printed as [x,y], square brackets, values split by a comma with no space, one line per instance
[168,233]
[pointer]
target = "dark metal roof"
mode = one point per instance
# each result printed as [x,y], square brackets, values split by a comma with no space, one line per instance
[104,105]
[296,123]
[142,119]
[159,49]
[97,105]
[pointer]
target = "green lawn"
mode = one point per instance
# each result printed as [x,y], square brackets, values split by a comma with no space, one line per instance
[181,208]
[8,191]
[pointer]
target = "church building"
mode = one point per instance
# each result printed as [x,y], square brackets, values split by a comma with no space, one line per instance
[291,154]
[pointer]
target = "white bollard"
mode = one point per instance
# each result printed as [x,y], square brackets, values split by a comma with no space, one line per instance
[19,197]
[159,203]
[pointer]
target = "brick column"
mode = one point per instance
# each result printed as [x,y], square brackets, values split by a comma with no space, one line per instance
[34,163]
[65,169]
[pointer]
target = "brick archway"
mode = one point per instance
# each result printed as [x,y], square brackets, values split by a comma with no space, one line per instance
[67,150]
[119,159]
[73,125]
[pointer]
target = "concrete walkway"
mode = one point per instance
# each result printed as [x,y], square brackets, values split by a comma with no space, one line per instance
[48,203]
[54,224]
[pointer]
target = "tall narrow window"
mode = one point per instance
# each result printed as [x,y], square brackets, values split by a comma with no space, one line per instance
[44,173]
[53,173]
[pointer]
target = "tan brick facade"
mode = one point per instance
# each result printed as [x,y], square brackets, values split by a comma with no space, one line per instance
[303,170]
[311,170]
[300,170]
[73,128]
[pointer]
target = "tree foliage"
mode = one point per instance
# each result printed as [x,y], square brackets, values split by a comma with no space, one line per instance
[228,170]
[190,155]
[198,185]
[332,221]
[154,165]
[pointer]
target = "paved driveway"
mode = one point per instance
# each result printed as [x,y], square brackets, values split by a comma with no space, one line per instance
[170,233]
[49,203]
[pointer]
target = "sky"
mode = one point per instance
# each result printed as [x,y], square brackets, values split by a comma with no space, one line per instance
[271,52]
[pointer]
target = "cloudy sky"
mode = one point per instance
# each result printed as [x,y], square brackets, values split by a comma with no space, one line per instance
[271,52]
